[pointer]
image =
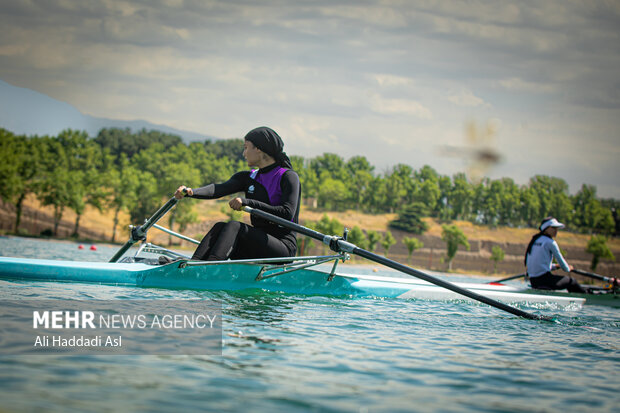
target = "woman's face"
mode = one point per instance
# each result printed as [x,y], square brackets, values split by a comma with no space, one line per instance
[552,232]
[252,154]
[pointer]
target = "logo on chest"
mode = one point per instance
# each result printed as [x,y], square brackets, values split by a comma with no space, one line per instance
[251,189]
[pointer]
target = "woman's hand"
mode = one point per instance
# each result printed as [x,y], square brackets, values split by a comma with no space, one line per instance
[236,204]
[182,191]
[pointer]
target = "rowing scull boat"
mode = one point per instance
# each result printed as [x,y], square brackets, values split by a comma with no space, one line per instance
[297,277]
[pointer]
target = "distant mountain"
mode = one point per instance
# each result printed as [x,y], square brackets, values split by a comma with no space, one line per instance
[26,112]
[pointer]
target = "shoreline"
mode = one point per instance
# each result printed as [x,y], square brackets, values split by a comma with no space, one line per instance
[369,266]
[96,228]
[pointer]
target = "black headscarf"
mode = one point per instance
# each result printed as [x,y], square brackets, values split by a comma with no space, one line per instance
[268,141]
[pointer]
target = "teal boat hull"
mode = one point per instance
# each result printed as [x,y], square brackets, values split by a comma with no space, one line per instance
[232,276]
[229,277]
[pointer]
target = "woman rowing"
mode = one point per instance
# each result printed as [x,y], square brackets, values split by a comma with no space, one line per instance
[539,256]
[272,187]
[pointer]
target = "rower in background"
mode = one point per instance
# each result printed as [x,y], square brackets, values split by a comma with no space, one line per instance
[272,187]
[539,256]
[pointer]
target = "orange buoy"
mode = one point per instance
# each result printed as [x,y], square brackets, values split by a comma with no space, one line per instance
[93,248]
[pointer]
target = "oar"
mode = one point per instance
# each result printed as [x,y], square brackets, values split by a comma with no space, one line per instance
[595,276]
[338,245]
[513,277]
[139,233]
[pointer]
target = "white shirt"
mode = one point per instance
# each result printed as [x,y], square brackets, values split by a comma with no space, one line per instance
[540,258]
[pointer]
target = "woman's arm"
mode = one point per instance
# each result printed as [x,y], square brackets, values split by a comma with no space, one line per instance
[555,250]
[213,191]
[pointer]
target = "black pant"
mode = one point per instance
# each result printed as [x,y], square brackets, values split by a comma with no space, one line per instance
[236,240]
[549,281]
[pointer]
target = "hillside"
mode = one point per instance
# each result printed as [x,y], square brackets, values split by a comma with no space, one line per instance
[19,106]
[98,227]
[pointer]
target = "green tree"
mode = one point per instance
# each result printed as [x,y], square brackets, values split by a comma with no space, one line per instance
[358,179]
[598,218]
[123,141]
[55,185]
[597,246]
[375,200]
[580,201]
[358,187]
[397,185]
[186,218]
[461,196]
[510,203]
[373,239]
[387,241]
[530,206]
[304,243]
[308,179]
[20,170]
[552,194]
[179,172]
[333,195]
[410,219]
[443,209]
[492,204]
[358,163]
[428,191]
[412,244]
[328,165]
[84,160]
[56,192]
[123,182]
[454,237]
[226,148]
[497,255]
[328,226]
[148,199]
[429,194]
[356,236]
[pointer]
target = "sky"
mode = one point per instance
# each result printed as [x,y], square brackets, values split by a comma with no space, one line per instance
[394,81]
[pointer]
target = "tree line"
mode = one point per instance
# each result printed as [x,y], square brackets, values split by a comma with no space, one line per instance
[121,170]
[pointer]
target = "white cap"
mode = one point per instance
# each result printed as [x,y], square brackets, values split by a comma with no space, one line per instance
[551,223]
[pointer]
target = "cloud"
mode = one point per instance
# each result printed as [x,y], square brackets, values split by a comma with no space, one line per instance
[518,84]
[392,80]
[466,98]
[385,106]
[395,77]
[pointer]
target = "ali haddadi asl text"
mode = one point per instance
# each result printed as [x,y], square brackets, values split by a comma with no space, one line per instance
[78,341]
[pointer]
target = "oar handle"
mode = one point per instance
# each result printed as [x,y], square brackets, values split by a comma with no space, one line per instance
[142,229]
[139,233]
[340,245]
[335,243]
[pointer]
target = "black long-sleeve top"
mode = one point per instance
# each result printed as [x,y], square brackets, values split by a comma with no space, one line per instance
[273,189]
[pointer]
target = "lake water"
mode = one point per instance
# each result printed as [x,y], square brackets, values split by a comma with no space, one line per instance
[295,353]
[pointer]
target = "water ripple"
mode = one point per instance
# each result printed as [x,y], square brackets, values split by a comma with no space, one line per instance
[294,353]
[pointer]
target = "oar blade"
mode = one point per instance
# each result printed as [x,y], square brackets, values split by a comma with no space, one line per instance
[512,277]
